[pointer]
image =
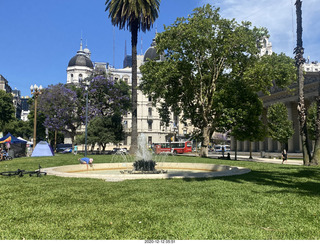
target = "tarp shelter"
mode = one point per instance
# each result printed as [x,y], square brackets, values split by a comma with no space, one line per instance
[17,146]
[42,149]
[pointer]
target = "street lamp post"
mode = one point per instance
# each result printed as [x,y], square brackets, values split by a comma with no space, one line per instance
[35,91]
[86,129]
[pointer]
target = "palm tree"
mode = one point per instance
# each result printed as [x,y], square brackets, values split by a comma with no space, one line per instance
[301,105]
[136,15]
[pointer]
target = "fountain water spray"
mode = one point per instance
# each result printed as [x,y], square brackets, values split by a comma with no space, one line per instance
[144,163]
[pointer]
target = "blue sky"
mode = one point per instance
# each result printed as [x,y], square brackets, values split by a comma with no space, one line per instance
[39,37]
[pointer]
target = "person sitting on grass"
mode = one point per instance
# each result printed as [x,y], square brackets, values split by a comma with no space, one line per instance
[86,161]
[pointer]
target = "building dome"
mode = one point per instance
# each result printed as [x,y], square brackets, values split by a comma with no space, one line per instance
[80,59]
[151,53]
[87,52]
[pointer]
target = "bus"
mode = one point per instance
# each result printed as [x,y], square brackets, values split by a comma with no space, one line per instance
[173,147]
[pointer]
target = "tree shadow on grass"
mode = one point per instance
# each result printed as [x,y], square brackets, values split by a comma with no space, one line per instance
[303,181]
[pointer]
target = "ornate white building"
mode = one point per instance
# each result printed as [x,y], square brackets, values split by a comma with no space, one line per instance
[80,66]
[149,122]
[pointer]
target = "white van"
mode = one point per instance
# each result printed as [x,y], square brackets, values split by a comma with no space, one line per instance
[219,148]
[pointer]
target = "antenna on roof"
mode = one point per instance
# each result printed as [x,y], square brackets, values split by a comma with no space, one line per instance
[141,46]
[125,48]
[114,46]
[81,42]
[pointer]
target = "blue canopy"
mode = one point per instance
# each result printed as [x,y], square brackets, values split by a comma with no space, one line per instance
[10,138]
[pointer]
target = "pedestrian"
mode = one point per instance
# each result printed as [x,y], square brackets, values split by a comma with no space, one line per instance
[75,151]
[86,161]
[284,156]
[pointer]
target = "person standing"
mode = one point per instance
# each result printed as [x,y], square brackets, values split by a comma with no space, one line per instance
[75,151]
[284,156]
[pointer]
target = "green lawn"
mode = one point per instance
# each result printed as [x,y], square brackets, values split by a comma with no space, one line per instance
[271,202]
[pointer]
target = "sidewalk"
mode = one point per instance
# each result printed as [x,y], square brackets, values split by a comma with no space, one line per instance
[257,158]
[270,160]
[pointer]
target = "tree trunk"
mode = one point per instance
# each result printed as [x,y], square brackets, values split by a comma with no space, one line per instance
[134,132]
[235,149]
[250,149]
[316,153]
[205,142]
[301,106]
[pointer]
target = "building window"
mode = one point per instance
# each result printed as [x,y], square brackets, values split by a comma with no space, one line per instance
[149,140]
[149,111]
[149,126]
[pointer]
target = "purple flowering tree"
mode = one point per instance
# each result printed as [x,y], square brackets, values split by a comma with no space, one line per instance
[64,105]
[107,97]
[62,108]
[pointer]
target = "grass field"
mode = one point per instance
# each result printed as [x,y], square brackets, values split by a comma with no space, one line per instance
[271,202]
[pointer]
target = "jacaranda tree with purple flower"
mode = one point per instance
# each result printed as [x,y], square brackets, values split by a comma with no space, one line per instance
[107,97]
[63,109]
[64,104]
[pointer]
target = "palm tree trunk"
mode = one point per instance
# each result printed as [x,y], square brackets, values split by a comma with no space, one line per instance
[301,106]
[134,132]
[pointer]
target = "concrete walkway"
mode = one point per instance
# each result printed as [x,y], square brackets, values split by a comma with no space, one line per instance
[256,158]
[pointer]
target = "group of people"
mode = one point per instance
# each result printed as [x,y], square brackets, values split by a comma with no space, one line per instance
[4,149]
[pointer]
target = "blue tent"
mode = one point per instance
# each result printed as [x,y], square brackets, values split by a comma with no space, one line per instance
[42,149]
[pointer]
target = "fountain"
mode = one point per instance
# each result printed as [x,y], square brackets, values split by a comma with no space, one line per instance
[144,163]
[144,167]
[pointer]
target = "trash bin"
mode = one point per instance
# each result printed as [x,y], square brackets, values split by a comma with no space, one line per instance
[263,154]
[11,153]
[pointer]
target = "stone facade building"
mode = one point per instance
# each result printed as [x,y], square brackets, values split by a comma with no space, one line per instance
[149,123]
[290,99]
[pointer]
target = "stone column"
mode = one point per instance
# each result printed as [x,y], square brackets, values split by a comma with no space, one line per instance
[290,116]
[270,145]
[297,147]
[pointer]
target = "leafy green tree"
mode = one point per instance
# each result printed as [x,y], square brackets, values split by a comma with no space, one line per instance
[269,70]
[6,109]
[64,106]
[203,54]
[19,128]
[280,128]
[313,124]
[241,112]
[134,15]
[104,130]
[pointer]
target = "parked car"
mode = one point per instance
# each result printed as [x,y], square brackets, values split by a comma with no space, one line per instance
[62,147]
[219,148]
[119,150]
[67,150]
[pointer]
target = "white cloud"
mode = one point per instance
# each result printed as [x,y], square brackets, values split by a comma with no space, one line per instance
[279,17]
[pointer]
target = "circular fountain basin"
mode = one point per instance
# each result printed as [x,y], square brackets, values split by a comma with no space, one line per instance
[112,171]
